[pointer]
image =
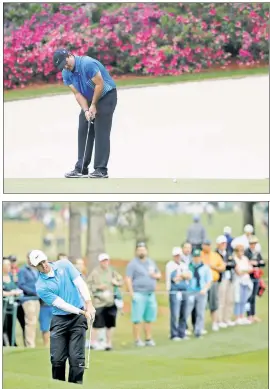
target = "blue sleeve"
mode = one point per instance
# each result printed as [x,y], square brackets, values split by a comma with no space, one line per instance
[130,270]
[24,285]
[72,271]
[46,295]
[66,78]
[90,68]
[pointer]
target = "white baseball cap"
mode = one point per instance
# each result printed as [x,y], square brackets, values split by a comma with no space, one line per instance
[248,228]
[177,251]
[37,256]
[103,257]
[227,230]
[221,239]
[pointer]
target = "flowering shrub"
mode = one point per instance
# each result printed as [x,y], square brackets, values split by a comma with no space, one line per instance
[141,39]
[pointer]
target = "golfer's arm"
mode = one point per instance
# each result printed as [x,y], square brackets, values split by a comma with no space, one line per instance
[79,97]
[83,289]
[61,304]
[99,84]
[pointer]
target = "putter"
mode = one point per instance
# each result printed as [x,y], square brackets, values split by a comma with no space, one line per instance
[87,365]
[88,129]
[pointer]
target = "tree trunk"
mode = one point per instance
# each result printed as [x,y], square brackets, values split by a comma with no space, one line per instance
[74,231]
[248,213]
[95,234]
[140,210]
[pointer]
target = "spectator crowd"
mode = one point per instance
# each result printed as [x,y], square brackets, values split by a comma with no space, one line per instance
[221,278]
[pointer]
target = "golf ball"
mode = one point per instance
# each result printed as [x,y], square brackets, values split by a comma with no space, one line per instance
[174,180]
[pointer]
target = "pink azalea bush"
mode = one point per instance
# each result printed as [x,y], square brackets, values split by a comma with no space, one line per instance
[142,39]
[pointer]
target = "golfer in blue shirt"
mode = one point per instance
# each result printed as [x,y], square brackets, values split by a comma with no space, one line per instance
[60,284]
[95,92]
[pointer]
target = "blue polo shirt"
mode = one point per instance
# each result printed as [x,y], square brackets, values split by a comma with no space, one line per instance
[60,285]
[138,271]
[81,77]
[205,276]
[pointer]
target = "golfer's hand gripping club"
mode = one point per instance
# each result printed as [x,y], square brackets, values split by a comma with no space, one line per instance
[90,313]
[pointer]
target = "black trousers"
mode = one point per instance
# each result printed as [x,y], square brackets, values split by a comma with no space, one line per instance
[68,333]
[7,326]
[99,132]
[252,299]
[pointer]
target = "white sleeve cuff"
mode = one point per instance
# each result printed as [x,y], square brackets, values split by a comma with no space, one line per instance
[81,285]
[61,304]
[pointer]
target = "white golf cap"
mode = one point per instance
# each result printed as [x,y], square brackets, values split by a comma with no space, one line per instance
[103,257]
[221,239]
[248,228]
[227,230]
[177,251]
[37,256]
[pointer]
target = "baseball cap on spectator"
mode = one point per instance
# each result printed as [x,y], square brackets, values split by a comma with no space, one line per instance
[141,244]
[177,251]
[196,218]
[196,253]
[253,239]
[11,258]
[227,230]
[37,256]
[248,228]
[221,239]
[207,242]
[103,257]
[59,58]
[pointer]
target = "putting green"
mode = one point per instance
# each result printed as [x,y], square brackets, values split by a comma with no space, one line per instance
[134,185]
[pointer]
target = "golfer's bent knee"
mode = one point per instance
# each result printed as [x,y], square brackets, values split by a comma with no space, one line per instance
[58,363]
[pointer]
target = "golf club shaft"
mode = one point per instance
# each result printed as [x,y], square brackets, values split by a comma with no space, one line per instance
[88,129]
[89,345]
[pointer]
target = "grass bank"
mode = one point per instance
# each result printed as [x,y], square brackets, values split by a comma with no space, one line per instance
[131,82]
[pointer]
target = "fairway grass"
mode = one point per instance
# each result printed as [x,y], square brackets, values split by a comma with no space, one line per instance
[50,90]
[233,358]
[134,185]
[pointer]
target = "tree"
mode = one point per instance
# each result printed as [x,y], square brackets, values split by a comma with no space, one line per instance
[95,233]
[248,208]
[74,230]
[131,217]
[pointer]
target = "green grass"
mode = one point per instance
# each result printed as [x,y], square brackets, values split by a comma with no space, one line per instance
[234,358]
[134,185]
[49,90]
[164,232]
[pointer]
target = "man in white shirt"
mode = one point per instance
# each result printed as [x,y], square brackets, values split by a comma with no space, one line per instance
[172,265]
[177,281]
[244,239]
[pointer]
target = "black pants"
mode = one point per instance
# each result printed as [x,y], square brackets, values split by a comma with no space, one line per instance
[252,299]
[99,132]
[105,317]
[68,342]
[7,326]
